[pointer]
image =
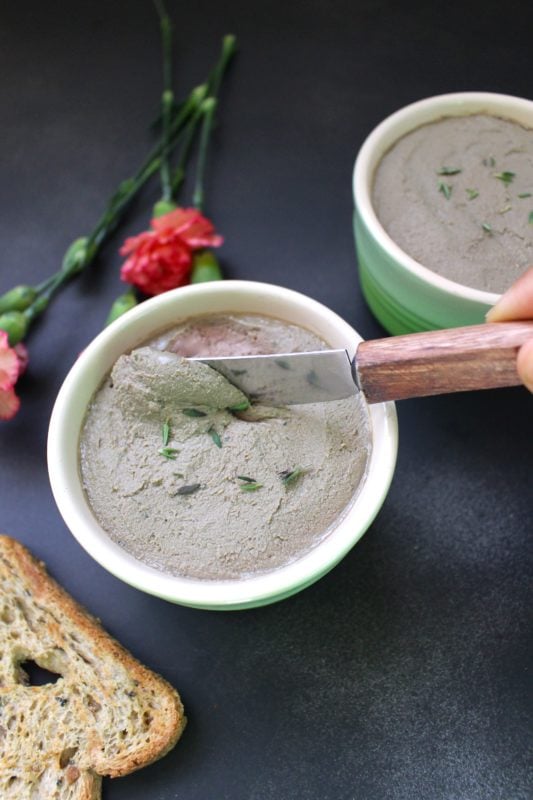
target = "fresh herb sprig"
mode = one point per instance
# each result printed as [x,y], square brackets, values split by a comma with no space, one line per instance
[169,452]
[239,407]
[190,488]
[193,412]
[445,189]
[214,436]
[449,171]
[290,476]
[249,484]
[505,177]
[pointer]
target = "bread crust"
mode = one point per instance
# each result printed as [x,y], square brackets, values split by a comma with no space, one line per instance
[75,636]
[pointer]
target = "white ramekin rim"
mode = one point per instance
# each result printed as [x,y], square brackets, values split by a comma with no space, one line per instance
[393,128]
[127,332]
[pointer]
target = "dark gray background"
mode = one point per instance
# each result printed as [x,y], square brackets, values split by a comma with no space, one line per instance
[404,673]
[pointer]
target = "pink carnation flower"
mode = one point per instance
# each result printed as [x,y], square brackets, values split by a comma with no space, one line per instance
[13,362]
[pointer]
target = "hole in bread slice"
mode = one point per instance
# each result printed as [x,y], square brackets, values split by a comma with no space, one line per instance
[31,674]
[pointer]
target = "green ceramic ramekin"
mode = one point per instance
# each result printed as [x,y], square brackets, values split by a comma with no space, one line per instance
[403,294]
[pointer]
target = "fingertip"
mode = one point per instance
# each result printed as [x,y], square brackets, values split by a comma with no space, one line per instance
[493,314]
[524,364]
[516,302]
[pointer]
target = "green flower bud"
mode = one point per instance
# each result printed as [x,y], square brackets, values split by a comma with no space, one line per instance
[14,323]
[75,258]
[120,306]
[199,93]
[208,105]
[205,267]
[163,207]
[229,44]
[17,299]
[168,98]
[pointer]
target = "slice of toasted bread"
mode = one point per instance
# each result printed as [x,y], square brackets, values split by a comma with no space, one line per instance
[106,714]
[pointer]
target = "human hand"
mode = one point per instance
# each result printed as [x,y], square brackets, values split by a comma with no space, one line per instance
[517,303]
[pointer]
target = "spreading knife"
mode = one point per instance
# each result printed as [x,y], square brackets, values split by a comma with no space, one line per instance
[393,368]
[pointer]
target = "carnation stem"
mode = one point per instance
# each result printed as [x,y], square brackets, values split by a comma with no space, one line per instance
[167,99]
[41,287]
[188,139]
[208,109]
[116,206]
[182,124]
[229,48]
[129,188]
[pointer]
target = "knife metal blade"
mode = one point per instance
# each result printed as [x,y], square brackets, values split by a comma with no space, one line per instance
[395,368]
[289,378]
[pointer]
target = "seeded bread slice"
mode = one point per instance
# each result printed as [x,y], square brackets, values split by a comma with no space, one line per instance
[106,714]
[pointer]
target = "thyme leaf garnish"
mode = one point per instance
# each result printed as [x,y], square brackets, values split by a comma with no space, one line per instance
[238,372]
[530,218]
[505,209]
[188,488]
[249,484]
[449,171]
[445,189]
[281,363]
[215,437]
[251,487]
[486,227]
[168,452]
[522,195]
[288,476]
[240,406]
[505,177]
[472,194]
[165,433]
[489,162]
[312,378]
[193,412]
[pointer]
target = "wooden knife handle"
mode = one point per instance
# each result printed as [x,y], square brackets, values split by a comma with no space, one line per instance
[439,362]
